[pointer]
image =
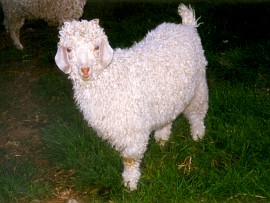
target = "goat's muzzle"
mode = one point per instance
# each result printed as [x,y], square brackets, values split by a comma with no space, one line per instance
[85,73]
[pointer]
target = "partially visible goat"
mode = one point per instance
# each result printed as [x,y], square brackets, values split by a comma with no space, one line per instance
[125,94]
[55,12]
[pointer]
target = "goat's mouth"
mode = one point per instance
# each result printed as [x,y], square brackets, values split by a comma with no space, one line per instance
[85,78]
[85,73]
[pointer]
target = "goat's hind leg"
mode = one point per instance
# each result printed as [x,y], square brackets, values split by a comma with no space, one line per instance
[196,112]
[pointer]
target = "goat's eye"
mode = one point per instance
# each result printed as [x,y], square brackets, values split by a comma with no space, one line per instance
[96,48]
[69,50]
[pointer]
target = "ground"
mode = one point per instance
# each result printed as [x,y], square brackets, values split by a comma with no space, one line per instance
[22,118]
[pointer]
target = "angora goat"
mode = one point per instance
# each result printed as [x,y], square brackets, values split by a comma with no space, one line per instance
[55,12]
[125,94]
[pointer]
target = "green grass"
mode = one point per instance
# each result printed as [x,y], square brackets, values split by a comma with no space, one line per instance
[19,182]
[231,164]
[232,160]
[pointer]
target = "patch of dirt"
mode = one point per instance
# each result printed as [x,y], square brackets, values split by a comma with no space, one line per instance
[20,122]
[21,117]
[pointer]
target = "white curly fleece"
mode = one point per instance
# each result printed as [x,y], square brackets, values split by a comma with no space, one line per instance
[139,89]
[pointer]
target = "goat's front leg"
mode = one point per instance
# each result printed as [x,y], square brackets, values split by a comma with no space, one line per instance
[132,173]
[15,33]
[15,36]
[132,156]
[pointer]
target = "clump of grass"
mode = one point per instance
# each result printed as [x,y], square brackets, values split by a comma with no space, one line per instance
[19,182]
[247,65]
[76,147]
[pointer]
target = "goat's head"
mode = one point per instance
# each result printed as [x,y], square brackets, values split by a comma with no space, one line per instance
[83,49]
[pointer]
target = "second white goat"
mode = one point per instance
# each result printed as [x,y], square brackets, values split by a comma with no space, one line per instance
[55,12]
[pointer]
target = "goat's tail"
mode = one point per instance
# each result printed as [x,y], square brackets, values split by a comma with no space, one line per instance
[188,15]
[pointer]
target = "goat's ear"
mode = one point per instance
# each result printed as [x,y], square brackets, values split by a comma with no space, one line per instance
[62,60]
[105,53]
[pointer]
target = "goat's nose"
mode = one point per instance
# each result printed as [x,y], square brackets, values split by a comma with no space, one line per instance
[85,71]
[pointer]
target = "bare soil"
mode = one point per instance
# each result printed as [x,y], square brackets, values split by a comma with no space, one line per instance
[21,120]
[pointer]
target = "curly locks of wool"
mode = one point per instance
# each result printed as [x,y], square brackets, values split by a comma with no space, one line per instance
[54,12]
[125,94]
